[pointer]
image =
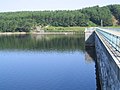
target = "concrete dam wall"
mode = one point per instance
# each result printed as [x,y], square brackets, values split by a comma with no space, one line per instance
[106,66]
[109,71]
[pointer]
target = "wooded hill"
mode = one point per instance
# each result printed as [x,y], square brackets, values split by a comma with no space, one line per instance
[91,16]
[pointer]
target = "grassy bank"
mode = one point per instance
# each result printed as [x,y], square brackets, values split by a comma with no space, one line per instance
[64,29]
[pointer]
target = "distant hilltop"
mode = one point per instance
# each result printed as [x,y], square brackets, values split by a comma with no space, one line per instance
[91,16]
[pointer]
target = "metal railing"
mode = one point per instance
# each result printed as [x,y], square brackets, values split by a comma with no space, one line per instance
[112,39]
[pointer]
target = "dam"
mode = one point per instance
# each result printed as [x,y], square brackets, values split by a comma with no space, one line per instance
[107,46]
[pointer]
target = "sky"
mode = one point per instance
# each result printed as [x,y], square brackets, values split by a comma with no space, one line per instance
[40,5]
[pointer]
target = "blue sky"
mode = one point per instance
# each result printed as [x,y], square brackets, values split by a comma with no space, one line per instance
[31,5]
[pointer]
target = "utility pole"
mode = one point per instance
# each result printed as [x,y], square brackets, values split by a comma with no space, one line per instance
[101,23]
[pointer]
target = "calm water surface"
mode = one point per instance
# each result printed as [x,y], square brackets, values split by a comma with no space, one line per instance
[45,62]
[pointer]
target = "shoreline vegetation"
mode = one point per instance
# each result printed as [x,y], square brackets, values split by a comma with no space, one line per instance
[55,30]
[51,30]
[13,33]
[59,20]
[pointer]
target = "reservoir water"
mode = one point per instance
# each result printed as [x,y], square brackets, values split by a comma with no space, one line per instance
[46,62]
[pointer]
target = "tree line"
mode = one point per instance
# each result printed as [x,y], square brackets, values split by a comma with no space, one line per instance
[28,20]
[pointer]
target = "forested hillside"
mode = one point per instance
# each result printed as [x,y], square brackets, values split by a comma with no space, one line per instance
[28,20]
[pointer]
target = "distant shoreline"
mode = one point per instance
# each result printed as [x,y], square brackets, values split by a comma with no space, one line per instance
[9,33]
[12,33]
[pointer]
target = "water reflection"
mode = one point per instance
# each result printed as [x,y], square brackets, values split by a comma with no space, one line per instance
[90,56]
[42,42]
[63,69]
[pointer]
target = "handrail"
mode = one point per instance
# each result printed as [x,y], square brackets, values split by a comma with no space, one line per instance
[112,38]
